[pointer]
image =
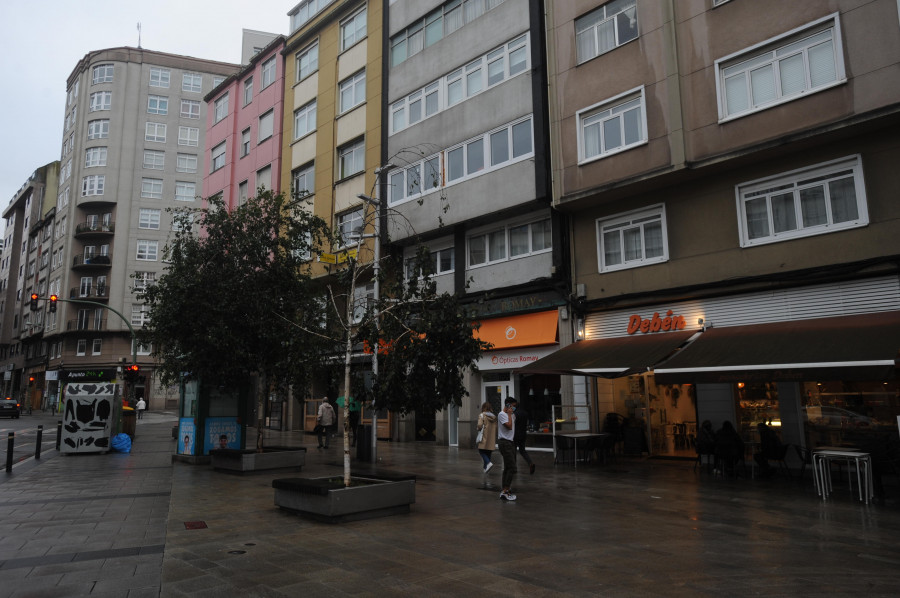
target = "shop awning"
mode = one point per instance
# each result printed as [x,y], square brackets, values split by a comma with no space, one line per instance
[610,357]
[859,347]
[524,330]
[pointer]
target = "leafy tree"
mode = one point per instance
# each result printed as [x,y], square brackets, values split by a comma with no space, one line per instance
[232,279]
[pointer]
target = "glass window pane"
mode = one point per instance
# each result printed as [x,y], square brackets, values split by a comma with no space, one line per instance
[757,218]
[612,134]
[454,92]
[399,119]
[736,94]
[497,245]
[842,193]
[812,206]
[475,156]
[592,140]
[396,186]
[445,260]
[517,61]
[584,45]
[415,111]
[455,164]
[793,76]
[521,134]
[473,82]
[784,214]
[762,85]
[606,36]
[612,250]
[653,242]
[431,99]
[495,72]
[413,180]
[627,25]
[632,121]
[632,240]
[499,147]
[822,69]
[540,236]
[477,253]
[434,28]
[431,178]
[518,241]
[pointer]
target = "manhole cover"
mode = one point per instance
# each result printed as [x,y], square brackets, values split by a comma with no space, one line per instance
[195,525]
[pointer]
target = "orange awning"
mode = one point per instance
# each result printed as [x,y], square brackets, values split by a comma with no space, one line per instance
[525,330]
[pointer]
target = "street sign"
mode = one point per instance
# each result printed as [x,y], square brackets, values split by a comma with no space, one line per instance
[328,258]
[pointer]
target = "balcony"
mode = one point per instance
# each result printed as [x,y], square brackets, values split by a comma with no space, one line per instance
[90,293]
[86,324]
[91,262]
[95,229]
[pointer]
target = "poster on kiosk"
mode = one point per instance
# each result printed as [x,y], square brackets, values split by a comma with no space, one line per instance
[87,416]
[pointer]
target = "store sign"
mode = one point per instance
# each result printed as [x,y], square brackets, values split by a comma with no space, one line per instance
[511,359]
[667,323]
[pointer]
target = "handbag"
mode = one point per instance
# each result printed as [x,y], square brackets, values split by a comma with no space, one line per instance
[480,436]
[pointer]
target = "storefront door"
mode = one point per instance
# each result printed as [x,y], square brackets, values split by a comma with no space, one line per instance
[495,393]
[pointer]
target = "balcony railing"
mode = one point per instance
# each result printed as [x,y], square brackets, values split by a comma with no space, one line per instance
[90,293]
[91,260]
[86,324]
[95,227]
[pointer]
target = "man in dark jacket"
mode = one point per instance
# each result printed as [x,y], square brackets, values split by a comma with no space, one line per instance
[519,436]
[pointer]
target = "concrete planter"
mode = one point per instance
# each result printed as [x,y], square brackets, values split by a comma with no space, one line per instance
[247,460]
[327,499]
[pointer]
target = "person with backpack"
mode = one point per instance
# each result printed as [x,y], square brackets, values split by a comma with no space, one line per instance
[325,419]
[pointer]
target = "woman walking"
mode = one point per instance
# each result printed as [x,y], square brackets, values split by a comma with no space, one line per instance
[487,428]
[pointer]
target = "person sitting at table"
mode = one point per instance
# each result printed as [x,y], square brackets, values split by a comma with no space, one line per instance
[706,440]
[770,447]
[729,448]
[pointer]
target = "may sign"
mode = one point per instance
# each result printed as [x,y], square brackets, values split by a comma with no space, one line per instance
[656,323]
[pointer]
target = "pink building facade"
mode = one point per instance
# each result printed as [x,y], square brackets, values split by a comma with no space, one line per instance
[244,127]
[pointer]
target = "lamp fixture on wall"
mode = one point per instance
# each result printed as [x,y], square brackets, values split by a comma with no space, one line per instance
[579,328]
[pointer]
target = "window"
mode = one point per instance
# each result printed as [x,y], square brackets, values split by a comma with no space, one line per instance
[613,126]
[93,185]
[529,239]
[821,199]
[487,248]
[154,160]
[266,123]
[442,262]
[218,80]
[350,226]
[98,129]
[351,159]
[186,163]
[152,188]
[632,239]
[363,297]
[306,10]
[188,136]
[353,29]
[352,91]
[102,73]
[81,346]
[185,191]
[149,218]
[303,180]
[217,157]
[307,61]
[264,178]
[605,29]
[147,250]
[248,90]
[96,345]
[305,120]
[789,67]
[159,77]
[268,73]
[243,192]
[190,109]
[245,142]
[221,108]
[191,82]
[94,156]
[155,132]
[143,279]
[101,100]
[140,315]
[157,105]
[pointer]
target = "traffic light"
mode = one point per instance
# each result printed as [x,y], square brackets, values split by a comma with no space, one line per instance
[53,299]
[31,381]
[131,372]
[34,301]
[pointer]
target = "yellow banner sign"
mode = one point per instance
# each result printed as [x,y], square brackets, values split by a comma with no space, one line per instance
[328,258]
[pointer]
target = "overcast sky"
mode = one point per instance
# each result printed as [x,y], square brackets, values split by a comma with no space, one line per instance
[41,41]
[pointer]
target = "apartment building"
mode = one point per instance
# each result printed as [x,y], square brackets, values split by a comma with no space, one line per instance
[25,264]
[728,168]
[468,144]
[133,145]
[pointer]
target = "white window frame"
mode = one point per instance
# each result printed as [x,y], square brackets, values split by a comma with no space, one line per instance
[346,225]
[766,53]
[248,90]
[351,159]
[98,129]
[94,157]
[794,183]
[189,136]
[155,132]
[185,191]
[591,116]
[221,108]
[147,250]
[81,346]
[186,163]
[142,279]
[148,218]
[267,73]
[363,295]
[140,314]
[633,219]
[217,157]
[354,29]
[352,91]
[591,24]
[96,346]
[159,77]
[307,61]
[243,192]
[266,126]
[93,185]
[263,176]
[154,159]
[304,120]
[152,188]
[305,176]
[100,100]
[157,105]
[193,109]
[102,73]
[245,142]
[192,82]
[435,254]
[306,10]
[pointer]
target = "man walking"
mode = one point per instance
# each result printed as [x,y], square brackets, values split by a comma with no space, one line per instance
[326,419]
[141,406]
[507,445]
[520,435]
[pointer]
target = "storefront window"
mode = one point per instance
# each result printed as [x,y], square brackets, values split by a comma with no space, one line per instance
[862,414]
[757,404]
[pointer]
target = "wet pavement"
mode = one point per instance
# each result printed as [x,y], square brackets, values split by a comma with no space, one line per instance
[138,525]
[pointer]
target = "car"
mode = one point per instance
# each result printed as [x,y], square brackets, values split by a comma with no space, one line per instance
[837,417]
[9,407]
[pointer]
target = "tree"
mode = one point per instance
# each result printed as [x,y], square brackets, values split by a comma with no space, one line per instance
[232,278]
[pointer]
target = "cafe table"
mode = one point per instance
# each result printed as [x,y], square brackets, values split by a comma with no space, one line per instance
[821,461]
[576,436]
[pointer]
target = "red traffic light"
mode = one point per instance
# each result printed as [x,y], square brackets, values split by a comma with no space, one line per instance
[133,368]
[53,299]
[34,301]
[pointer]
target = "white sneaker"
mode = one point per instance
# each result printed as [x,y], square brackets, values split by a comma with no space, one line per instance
[507,496]
[487,467]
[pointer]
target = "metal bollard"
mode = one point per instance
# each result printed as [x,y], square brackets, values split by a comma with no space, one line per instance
[37,445]
[9,451]
[58,432]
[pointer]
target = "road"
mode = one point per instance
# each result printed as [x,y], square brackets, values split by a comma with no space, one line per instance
[25,430]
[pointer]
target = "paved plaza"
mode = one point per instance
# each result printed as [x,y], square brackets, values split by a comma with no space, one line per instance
[129,525]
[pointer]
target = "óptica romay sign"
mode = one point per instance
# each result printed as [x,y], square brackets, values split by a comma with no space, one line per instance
[666,323]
